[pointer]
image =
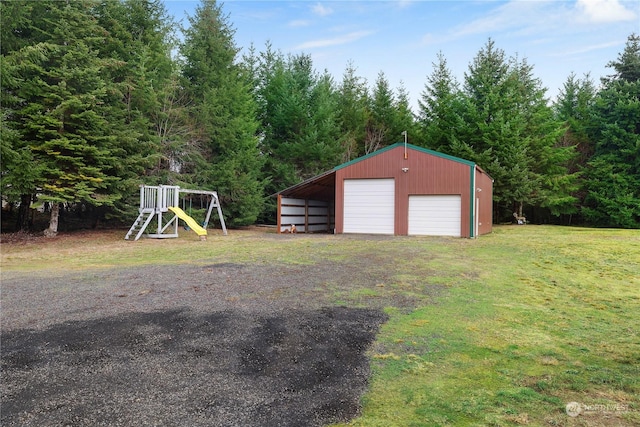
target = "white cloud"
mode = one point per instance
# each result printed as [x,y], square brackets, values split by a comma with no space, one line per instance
[321,10]
[344,39]
[299,23]
[510,15]
[517,18]
[605,11]
[404,3]
[589,48]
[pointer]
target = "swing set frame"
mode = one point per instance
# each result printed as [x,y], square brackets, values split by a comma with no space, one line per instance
[155,202]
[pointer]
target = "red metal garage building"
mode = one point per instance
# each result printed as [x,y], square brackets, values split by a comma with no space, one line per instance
[399,190]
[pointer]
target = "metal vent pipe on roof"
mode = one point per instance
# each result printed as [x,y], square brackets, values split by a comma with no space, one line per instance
[405,144]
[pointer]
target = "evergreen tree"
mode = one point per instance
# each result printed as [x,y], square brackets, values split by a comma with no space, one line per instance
[179,153]
[275,134]
[310,137]
[389,116]
[224,111]
[15,21]
[20,175]
[60,124]
[325,146]
[494,131]
[147,119]
[382,116]
[627,66]
[440,113]
[353,113]
[574,107]
[552,184]
[514,135]
[298,121]
[404,119]
[613,173]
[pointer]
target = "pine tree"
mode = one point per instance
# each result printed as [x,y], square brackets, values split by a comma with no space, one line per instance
[574,107]
[389,116]
[225,113]
[552,184]
[613,173]
[353,113]
[382,116]
[299,123]
[131,42]
[440,113]
[514,135]
[326,143]
[15,21]
[20,174]
[306,119]
[495,131]
[277,105]
[146,116]
[627,66]
[404,119]
[62,117]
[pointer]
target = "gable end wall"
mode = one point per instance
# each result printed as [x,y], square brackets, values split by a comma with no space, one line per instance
[427,174]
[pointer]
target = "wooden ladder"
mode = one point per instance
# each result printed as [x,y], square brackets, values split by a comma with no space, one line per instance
[140,224]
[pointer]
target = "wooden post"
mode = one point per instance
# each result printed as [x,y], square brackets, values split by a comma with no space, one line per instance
[279,213]
[306,215]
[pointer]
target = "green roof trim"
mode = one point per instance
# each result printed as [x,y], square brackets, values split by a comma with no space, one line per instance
[409,146]
[472,203]
[366,156]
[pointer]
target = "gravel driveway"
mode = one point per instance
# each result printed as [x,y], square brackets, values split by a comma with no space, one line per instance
[185,345]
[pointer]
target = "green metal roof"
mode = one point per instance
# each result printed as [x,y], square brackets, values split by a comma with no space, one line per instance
[323,185]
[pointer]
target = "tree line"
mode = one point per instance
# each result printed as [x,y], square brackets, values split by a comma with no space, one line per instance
[99,97]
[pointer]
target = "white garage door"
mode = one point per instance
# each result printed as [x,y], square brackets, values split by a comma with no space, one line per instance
[369,206]
[435,215]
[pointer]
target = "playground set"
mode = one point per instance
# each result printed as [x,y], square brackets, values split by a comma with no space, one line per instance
[162,200]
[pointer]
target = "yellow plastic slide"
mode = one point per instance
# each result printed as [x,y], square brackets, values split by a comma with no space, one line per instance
[188,220]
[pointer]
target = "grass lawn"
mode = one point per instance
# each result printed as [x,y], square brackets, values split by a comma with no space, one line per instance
[535,318]
[525,320]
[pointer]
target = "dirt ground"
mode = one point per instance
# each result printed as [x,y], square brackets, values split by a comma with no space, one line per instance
[187,345]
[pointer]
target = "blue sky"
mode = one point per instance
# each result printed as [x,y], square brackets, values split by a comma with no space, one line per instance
[402,38]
